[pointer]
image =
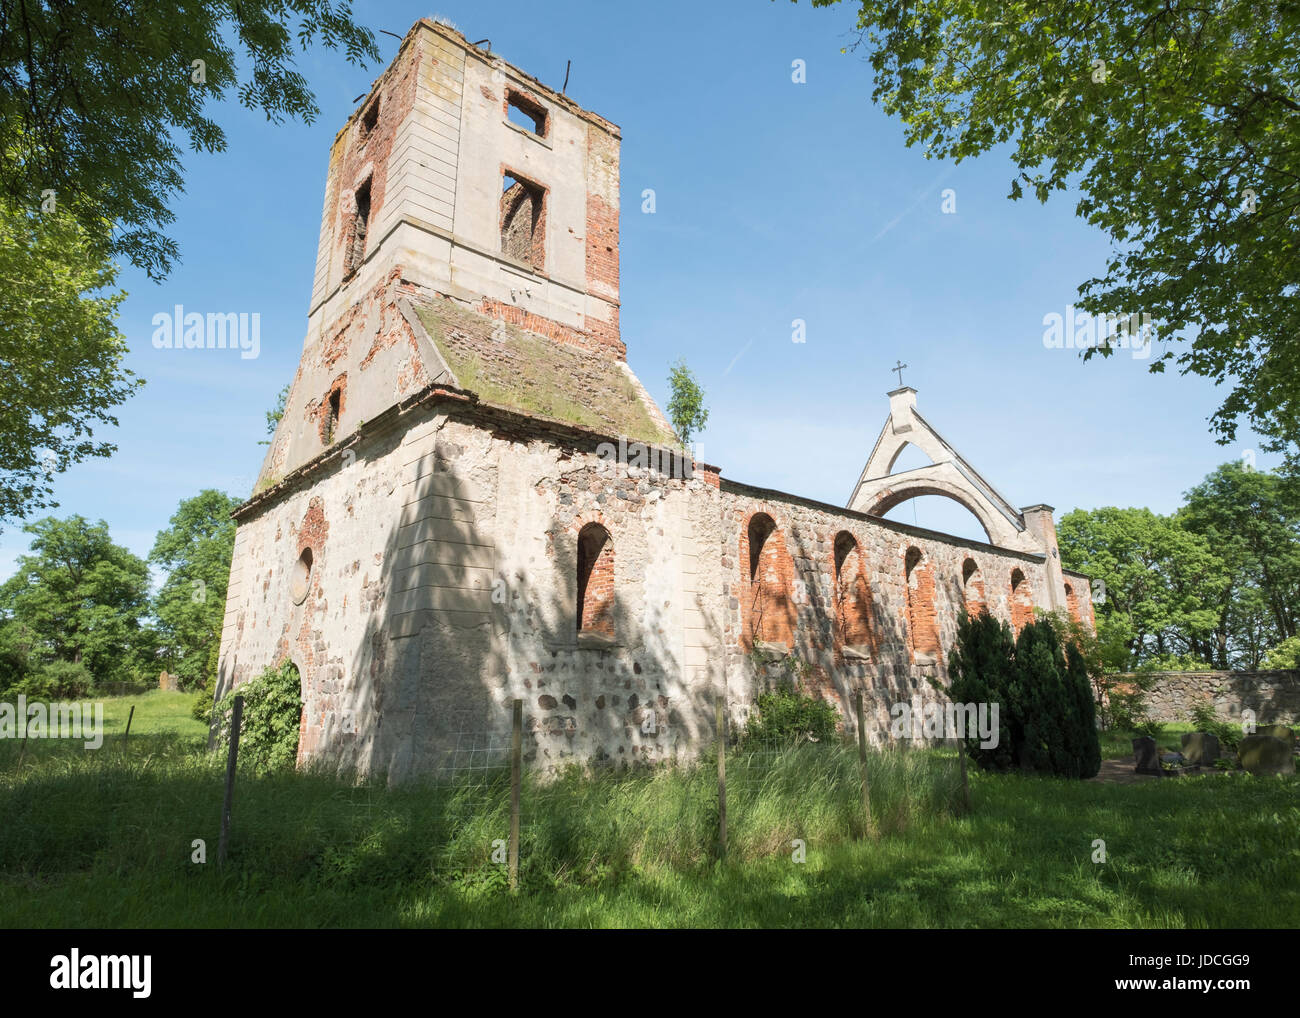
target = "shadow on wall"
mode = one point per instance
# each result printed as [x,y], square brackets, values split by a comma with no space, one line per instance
[877,655]
[458,625]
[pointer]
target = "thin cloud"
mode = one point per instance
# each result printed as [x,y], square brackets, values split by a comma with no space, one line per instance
[911,208]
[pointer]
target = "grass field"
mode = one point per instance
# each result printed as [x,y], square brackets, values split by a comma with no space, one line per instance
[105,839]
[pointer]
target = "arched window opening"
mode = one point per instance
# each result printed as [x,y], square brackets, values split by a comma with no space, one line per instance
[760,529]
[768,606]
[972,583]
[852,597]
[922,616]
[1022,601]
[595,581]
[1072,603]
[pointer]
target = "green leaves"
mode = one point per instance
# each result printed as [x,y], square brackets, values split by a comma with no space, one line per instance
[79,598]
[686,407]
[268,738]
[1217,581]
[1184,142]
[60,349]
[92,97]
[1046,716]
[196,549]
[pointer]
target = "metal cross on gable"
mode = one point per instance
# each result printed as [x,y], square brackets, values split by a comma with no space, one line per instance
[899,368]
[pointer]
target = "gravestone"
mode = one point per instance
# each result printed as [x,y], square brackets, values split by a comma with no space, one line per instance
[1200,748]
[1266,754]
[1145,759]
[1278,732]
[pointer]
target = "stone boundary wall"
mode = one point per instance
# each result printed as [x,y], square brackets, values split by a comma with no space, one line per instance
[1273,696]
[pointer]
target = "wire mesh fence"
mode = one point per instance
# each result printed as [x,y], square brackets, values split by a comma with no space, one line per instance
[483,818]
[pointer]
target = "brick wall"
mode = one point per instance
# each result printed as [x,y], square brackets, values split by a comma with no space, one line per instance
[922,609]
[973,580]
[853,604]
[596,580]
[768,583]
[1022,601]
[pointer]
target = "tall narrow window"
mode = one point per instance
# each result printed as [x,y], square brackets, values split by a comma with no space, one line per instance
[1072,603]
[852,596]
[972,581]
[360,223]
[332,409]
[922,618]
[595,581]
[523,220]
[369,119]
[768,605]
[1022,601]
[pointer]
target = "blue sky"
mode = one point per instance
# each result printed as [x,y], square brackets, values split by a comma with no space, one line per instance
[774,201]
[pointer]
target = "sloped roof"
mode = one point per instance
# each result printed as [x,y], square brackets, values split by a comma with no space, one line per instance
[511,367]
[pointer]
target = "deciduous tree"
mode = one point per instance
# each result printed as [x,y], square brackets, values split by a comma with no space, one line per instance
[1179,124]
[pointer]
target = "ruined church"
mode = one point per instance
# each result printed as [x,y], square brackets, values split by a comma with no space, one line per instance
[449,517]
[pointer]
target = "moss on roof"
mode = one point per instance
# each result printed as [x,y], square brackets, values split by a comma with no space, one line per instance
[505,365]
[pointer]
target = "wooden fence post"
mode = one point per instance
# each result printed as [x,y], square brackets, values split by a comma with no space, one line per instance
[862,761]
[721,712]
[965,785]
[516,780]
[236,721]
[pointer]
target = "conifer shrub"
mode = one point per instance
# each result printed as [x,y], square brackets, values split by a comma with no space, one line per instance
[1046,717]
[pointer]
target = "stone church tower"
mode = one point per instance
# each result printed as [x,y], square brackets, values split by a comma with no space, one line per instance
[471,498]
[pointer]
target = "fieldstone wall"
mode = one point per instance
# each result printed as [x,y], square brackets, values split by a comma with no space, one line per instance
[424,573]
[1273,696]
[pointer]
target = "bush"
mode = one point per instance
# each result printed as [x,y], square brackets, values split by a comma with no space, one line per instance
[979,670]
[1086,747]
[268,739]
[1123,705]
[1046,716]
[1205,720]
[787,714]
[58,680]
[202,709]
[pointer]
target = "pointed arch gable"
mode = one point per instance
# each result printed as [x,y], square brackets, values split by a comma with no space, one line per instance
[879,489]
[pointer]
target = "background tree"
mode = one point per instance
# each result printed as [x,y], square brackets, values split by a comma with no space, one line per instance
[1285,655]
[79,599]
[1163,582]
[1178,122]
[61,351]
[195,549]
[686,404]
[96,94]
[1251,519]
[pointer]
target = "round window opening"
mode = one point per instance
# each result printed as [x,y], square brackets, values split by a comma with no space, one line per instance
[301,577]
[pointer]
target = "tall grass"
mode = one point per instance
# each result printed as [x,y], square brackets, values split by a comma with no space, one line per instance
[122,808]
[105,838]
